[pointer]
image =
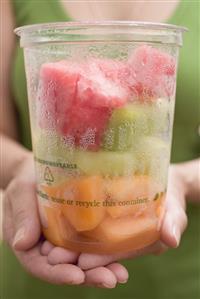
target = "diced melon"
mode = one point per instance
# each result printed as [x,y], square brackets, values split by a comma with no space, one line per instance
[141,230]
[75,99]
[131,196]
[105,163]
[153,73]
[128,124]
[124,127]
[60,191]
[49,145]
[83,201]
[153,156]
[54,156]
[57,229]
[87,210]
[161,118]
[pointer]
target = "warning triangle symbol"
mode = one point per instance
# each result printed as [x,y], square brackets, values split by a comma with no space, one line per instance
[48,175]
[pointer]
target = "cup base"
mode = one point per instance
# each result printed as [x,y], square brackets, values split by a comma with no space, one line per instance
[139,241]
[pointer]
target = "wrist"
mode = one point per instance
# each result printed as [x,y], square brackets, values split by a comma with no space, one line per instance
[12,156]
[20,160]
[177,180]
[189,173]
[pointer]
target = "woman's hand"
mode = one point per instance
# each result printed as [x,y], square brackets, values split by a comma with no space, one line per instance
[173,226]
[22,231]
[57,265]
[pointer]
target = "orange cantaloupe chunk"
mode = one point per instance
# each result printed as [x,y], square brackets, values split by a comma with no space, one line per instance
[131,195]
[58,191]
[82,194]
[141,230]
[43,215]
[84,215]
[159,206]
[57,228]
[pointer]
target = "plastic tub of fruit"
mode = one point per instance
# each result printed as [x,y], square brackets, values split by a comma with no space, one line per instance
[101,100]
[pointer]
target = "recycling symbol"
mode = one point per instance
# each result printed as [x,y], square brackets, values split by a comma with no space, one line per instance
[48,177]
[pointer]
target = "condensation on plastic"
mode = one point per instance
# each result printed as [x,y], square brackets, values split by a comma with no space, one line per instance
[119,31]
[131,168]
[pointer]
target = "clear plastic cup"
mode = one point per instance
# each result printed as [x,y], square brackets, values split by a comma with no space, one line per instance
[101,100]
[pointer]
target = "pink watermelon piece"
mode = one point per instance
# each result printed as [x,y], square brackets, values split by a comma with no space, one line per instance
[76,99]
[95,88]
[120,72]
[116,71]
[56,92]
[152,73]
[85,125]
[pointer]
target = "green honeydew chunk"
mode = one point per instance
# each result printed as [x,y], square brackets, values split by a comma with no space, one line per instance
[125,125]
[161,117]
[50,147]
[153,156]
[129,123]
[106,163]
[54,160]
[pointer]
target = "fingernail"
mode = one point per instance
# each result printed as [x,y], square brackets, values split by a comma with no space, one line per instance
[161,248]
[105,285]
[176,234]
[123,281]
[18,236]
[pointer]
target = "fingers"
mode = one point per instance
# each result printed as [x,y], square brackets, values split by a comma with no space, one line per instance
[100,277]
[65,273]
[23,203]
[119,271]
[7,221]
[106,277]
[175,219]
[158,248]
[60,255]
[174,224]
[88,261]
[46,248]
[38,265]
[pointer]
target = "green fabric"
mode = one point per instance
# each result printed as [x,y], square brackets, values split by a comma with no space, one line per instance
[29,12]
[173,275]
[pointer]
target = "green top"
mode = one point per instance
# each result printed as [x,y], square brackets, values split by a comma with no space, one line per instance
[170,276]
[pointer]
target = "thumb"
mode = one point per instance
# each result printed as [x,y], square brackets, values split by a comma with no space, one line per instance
[25,216]
[175,219]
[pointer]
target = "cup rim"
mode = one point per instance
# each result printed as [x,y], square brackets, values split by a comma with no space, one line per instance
[101,24]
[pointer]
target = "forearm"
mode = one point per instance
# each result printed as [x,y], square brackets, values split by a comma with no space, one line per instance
[12,153]
[190,172]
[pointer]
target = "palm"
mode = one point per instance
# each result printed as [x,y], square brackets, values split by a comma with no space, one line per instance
[22,231]
[173,225]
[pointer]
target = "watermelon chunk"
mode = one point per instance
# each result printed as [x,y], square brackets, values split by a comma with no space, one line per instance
[152,73]
[100,85]
[76,100]
[56,92]
[85,125]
